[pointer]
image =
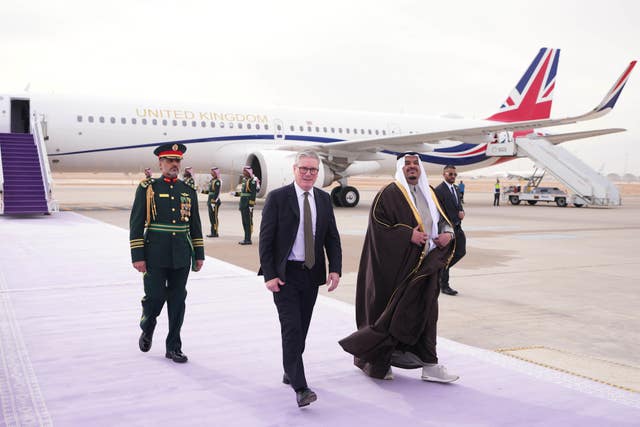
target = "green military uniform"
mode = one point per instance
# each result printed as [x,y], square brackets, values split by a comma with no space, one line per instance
[165,231]
[213,204]
[248,191]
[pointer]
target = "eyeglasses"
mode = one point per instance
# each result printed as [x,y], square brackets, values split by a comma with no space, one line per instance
[304,170]
[452,174]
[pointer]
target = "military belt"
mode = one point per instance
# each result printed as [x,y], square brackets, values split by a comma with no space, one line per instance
[168,228]
[245,194]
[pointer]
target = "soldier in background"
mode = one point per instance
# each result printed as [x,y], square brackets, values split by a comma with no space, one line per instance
[166,242]
[248,190]
[213,201]
[187,177]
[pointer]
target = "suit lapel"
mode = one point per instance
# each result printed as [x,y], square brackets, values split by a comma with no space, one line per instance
[293,201]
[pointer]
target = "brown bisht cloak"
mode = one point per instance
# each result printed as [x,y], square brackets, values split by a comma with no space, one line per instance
[397,289]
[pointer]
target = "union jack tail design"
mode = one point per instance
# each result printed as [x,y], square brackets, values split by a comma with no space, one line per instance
[532,97]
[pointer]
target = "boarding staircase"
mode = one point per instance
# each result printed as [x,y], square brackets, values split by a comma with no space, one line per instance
[25,179]
[588,186]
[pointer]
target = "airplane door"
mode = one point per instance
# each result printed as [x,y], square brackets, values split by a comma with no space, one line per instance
[5,114]
[278,130]
[20,116]
[394,129]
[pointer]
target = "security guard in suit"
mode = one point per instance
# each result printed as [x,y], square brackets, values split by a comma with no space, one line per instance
[166,242]
[213,201]
[247,193]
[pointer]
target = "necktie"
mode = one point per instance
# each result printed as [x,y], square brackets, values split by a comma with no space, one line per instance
[309,253]
[455,196]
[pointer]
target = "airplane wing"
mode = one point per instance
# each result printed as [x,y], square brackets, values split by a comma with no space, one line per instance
[556,139]
[420,141]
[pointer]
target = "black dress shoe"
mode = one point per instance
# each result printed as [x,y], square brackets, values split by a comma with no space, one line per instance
[177,356]
[285,379]
[212,235]
[145,342]
[245,242]
[449,291]
[305,397]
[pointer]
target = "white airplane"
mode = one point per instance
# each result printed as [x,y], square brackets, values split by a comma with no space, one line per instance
[93,135]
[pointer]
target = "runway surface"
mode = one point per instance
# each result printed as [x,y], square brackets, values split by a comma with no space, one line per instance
[68,353]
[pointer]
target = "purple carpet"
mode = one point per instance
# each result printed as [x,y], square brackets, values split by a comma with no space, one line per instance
[69,308]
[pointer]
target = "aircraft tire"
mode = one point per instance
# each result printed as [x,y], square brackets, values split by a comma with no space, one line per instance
[335,196]
[349,197]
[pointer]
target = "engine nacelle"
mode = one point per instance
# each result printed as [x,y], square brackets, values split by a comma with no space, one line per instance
[274,168]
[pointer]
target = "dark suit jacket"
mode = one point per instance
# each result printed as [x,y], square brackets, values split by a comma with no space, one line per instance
[280,220]
[449,204]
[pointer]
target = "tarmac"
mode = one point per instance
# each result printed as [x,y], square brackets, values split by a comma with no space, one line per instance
[556,287]
[69,306]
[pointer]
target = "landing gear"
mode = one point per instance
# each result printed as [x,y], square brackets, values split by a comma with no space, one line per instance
[346,197]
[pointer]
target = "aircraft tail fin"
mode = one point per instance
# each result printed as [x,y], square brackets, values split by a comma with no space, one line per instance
[532,97]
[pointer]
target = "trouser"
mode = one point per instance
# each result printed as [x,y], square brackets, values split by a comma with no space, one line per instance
[247,222]
[496,199]
[295,303]
[160,285]
[213,216]
[461,250]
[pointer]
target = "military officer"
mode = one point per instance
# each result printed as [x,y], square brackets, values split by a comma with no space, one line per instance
[166,242]
[213,201]
[247,193]
[187,177]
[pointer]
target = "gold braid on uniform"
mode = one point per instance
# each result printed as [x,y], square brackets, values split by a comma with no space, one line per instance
[151,204]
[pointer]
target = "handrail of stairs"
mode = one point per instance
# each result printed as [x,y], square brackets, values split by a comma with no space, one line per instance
[38,136]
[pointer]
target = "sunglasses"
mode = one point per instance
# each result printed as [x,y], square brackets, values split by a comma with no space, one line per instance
[452,174]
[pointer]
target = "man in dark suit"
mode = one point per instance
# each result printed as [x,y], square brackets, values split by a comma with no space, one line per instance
[451,201]
[298,226]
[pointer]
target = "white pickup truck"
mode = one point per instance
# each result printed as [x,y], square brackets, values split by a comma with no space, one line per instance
[535,195]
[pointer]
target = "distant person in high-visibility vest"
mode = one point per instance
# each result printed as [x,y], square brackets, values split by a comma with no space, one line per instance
[496,193]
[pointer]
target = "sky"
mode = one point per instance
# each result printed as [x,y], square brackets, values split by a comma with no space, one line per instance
[398,56]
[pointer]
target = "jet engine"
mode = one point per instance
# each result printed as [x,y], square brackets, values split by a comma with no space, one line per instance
[274,168]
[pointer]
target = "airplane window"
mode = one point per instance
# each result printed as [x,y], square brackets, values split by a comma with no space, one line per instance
[123,120]
[231,125]
[134,121]
[112,120]
[194,123]
[362,131]
[347,130]
[213,124]
[154,121]
[221,124]
[279,127]
[90,119]
[324,129]
[184,123]
[301,128]
[309,128]
[174,122]
[144,121]
[292,128]
[79,118]
[369,131]
[257,125]
[239,125]
[317,129]
[164,122]
[333,130]
[339,130]
[355,131]
[248,125]
[101,119]
[266,127]
[203,124]
[384,132]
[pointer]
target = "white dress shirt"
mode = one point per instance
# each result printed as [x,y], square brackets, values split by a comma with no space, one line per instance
[297,251]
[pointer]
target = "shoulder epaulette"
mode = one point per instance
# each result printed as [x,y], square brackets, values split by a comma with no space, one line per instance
[145,182]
